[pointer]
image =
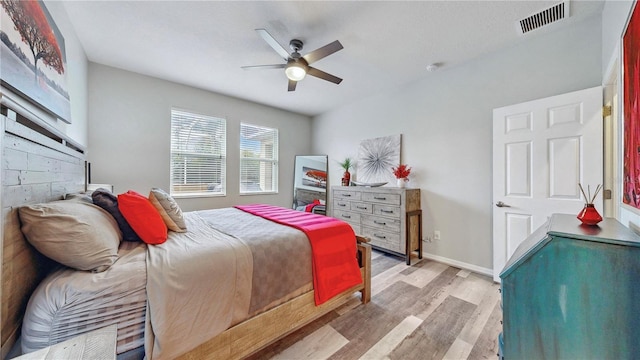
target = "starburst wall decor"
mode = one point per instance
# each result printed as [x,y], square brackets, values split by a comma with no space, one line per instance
[376,157]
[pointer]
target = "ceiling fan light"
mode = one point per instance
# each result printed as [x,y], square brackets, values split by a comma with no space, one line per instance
[295,71]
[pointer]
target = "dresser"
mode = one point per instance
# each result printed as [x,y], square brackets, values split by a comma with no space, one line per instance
[572,291]
[390,218]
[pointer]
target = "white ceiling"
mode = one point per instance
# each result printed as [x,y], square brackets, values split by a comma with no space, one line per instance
[386,43]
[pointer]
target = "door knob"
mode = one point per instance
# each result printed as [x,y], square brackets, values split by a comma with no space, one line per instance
[501,204]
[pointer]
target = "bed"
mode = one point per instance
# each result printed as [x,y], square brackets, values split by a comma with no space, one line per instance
[244,331]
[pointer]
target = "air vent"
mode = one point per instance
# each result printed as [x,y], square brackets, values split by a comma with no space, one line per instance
[545,17]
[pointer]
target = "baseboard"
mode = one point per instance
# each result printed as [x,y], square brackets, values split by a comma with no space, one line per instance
[459,264]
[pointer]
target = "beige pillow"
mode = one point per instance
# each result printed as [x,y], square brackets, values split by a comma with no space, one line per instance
[168,209]
[73,233]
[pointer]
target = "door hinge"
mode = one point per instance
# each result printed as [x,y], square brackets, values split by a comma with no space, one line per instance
[606,111]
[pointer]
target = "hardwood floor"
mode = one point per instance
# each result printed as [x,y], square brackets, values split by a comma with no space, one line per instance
[424,311]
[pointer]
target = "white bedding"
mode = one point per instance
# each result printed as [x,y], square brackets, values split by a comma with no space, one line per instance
[190,279]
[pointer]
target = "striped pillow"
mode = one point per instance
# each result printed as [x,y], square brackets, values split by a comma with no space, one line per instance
[168,209]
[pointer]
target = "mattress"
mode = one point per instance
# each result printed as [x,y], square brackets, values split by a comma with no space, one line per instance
[69,302]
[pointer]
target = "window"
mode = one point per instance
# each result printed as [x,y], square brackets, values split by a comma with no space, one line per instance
[258,159]
[198,154]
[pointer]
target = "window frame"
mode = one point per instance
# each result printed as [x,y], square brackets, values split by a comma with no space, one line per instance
[274,160]
[221,128]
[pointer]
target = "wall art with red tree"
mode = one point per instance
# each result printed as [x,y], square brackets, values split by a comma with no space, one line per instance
[631,110]
[32,56]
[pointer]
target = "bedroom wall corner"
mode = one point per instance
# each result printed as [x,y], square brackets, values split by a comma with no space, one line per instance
[445,119]
[614,19]
[129,135]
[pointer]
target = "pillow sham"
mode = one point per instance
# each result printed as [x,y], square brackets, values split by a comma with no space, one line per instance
[143,217]
[168,209]
[109,202]
[74,233]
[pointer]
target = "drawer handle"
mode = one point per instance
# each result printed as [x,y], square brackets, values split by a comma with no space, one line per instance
[343,205]
[380,236]
[386,211]
[346,195]
[361,207]
[346,216]
[380,198]
[379,222]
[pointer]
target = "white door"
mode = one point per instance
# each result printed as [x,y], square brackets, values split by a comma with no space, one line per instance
[542,149]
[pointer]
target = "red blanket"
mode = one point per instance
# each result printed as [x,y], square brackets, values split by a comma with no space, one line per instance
[333,247]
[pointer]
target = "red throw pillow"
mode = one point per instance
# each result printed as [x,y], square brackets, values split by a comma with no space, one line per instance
[143,217]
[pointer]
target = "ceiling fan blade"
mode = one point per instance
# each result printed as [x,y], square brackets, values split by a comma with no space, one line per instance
[258,67]
[323,75]
[323,52]
[273,43]
[292,85]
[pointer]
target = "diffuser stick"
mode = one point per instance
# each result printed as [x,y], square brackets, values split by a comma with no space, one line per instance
[583,194]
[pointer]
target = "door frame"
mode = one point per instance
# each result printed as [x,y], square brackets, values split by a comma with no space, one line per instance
[612,141]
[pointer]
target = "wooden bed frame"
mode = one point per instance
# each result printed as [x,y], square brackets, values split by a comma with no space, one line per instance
[39,165]
[256,333]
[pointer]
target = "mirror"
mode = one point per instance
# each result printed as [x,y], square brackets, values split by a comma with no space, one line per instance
[310,183]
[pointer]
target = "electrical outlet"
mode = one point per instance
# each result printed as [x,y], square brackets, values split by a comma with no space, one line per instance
[436,235]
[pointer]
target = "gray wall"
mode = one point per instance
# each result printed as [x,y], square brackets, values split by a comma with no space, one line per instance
[614,19]
[129,134]
[445,119]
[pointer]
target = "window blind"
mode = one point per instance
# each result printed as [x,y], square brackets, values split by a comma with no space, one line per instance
[198,154]
[258,159]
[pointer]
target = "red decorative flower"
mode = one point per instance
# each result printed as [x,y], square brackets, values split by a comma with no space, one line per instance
[402,171]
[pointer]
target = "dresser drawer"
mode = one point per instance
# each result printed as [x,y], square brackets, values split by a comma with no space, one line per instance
[383,198]
[362,207]
[347,216]
[384,210]
[392,225]
[347,195]
[339,204]
[381,238]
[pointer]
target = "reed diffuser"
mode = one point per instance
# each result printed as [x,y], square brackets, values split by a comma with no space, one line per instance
[589,215]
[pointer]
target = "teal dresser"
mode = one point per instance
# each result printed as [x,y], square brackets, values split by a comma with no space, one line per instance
[573,292]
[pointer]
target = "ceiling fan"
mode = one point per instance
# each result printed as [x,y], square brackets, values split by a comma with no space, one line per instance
[297,66]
